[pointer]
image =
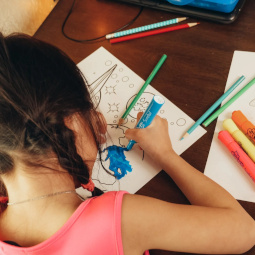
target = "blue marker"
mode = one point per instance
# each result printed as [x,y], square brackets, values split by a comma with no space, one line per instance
[148,116]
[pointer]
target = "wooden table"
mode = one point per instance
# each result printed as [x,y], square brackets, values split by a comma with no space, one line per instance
[193,77]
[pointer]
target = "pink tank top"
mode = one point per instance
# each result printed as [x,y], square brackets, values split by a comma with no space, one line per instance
[93,229]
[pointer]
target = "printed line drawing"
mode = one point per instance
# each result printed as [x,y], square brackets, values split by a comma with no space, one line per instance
[108,62]
[141,105]
[125,79]
[112,86]
[181,122]
[96,86]
[113,107]
[104,180]
[122,140]
[252,103]
[110,90]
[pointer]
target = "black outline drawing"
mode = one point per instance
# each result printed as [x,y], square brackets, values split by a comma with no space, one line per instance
[108,62]
[109,91]
[139,106]
[113,110]
[97,85]
[125,79]
[252,103]
[180,119]
[96,93]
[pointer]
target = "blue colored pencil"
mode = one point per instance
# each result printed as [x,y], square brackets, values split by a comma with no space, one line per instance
[213,107]
[148,116]
[145,28]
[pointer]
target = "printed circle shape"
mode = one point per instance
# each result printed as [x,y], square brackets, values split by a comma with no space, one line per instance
[181,122]
[108,62]
[125,79]
[146,97]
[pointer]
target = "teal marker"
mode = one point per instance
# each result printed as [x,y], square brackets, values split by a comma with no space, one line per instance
[145,28]
[148,116]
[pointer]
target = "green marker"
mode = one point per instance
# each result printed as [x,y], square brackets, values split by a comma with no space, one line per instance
[147,82]
[226,105]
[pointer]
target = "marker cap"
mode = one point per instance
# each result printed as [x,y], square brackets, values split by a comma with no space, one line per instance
[230,125]
[239,118]
[159,100]
[225,137]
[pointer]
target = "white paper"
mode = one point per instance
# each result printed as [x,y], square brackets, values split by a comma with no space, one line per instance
[113,91]
[221,166]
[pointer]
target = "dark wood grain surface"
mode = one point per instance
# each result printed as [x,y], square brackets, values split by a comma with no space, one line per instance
[193,77]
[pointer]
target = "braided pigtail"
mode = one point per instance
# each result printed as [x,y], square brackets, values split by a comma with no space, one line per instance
[66,151]
[68,157]
[40,87]
[56,135]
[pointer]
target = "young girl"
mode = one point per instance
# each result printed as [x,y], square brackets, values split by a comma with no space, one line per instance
[50,135]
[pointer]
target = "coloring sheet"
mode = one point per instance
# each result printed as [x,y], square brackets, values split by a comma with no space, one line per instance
[221,165]
[113,86]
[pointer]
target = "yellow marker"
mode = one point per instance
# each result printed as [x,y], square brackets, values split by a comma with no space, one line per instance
[240,138]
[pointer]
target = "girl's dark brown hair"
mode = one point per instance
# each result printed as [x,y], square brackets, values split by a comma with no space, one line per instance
[40,86]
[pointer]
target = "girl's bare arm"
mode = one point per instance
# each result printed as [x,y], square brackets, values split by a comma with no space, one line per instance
[214,223]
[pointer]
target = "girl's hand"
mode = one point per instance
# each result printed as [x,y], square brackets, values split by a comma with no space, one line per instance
[154,139]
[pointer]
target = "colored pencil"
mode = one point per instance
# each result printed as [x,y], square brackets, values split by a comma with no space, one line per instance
[226,105]
[153,32]
[213,107]
[145,28]
[147,82]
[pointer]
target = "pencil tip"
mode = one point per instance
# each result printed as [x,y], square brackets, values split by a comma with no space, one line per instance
[121,120]
[182,18]
[109,36]
[193,24]
[185,135]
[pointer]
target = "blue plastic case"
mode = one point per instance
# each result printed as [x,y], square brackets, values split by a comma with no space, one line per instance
[226,6]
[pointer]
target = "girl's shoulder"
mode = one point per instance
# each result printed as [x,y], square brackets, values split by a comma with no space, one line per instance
[98,213]
[111,200]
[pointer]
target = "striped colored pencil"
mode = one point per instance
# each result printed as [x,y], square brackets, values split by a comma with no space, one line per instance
[153,32]
[145,28]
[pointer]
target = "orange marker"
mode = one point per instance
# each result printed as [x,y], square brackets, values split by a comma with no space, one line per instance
[244,124]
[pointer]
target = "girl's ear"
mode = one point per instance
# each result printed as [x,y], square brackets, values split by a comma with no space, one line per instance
[102,124]
[84,139]
[69,121]
[99,122]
